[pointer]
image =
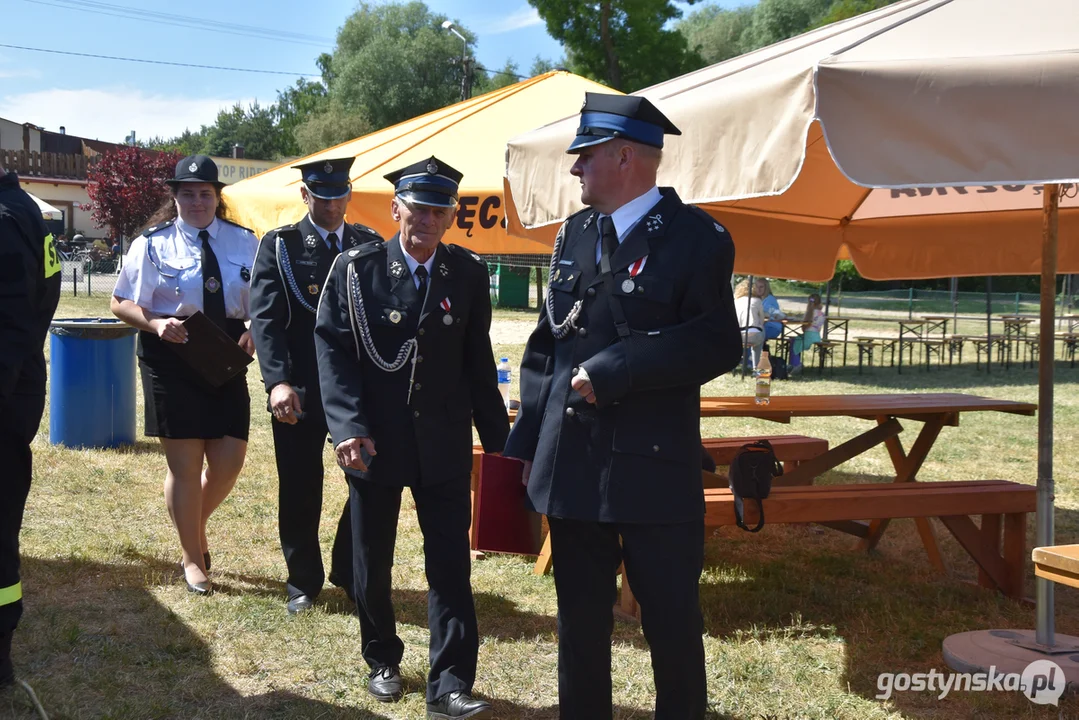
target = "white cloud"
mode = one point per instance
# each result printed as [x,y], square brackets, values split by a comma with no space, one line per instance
[109,114]
[525,17]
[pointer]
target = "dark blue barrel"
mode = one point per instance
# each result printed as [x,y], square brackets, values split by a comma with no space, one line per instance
[91,383]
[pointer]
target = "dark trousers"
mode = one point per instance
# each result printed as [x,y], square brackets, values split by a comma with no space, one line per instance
[19,421]
[664,564]
[300,471]
[444,512]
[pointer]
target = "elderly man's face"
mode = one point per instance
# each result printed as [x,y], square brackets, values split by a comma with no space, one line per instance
[421,226]
[598,167]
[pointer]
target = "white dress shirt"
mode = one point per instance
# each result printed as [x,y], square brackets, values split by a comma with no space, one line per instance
[325,234]
[626,217]
[163,272]
[413,263]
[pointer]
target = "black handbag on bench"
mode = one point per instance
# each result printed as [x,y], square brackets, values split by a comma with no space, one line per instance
[751,473]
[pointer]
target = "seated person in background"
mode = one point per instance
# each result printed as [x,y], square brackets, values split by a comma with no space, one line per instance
[812,326]
[772,314]
[747,304]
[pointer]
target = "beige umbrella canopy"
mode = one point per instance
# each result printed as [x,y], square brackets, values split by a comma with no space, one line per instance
[975,97]
[785,143]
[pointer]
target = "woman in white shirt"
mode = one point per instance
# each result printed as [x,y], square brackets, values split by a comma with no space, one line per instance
[192,260]
[750,312]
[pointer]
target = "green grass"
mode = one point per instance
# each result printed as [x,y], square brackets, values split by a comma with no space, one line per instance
[798,624]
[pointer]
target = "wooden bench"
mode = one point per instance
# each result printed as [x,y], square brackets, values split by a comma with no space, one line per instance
[790,449]
[1059,563]
[1001,503]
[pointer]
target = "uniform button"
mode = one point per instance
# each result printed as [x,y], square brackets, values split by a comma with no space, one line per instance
[655,448]
[570,412]
[419,358]
[418,386]
[576,370]
[590,292]
[421,331]
[583,332]
[416,413]
[640,288]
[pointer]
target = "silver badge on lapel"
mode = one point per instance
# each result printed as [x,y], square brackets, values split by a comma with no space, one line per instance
[397,268]
[654,222]
[557,274]
[395,316]
[447,320]
[353,253]
[628,285]
[443,270]
[310,241]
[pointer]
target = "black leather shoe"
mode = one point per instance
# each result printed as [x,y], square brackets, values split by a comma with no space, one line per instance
[458,704]
[206,560]
[384,683]
[299,604]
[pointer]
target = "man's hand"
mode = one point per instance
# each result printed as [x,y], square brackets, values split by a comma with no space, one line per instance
[583,385]
[247,343]
[284,403]
[526,472]
[348,453]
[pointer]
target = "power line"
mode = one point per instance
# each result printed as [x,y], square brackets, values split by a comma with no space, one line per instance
[503,72]
[130,13]
[158,62]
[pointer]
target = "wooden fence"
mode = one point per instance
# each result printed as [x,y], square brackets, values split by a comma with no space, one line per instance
[29,163]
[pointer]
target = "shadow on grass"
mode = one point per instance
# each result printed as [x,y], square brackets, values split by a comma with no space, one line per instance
[511,711]
[889,609]
[95,642]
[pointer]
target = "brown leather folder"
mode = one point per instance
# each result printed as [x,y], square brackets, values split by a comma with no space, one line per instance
[503,523]
[212,354]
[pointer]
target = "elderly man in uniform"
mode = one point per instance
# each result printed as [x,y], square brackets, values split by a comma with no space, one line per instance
[406,365]
[29,292]
[289,274]
[639,314]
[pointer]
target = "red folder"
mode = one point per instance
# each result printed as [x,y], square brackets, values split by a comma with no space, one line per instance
[503,524]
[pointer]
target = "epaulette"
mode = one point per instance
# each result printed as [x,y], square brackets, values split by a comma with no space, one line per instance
[368,248]
[466,253]
[708,219]
[236,224]
[284,228]
[158,228]
[364,229]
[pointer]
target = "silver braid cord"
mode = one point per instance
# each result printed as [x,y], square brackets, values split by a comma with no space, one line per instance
[361,329]
[559,330]
[286,266]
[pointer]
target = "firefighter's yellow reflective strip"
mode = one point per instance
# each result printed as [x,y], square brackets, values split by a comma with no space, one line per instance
[11,594]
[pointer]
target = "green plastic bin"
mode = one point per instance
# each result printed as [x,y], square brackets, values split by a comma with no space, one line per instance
[510,285]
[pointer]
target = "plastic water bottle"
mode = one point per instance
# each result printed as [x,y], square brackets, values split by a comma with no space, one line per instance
[504,374]
[763,375]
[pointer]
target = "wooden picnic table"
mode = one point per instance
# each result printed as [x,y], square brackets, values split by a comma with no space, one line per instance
[934,410]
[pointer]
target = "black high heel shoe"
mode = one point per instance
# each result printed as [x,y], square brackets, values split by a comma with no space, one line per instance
[206,560]
[199,588]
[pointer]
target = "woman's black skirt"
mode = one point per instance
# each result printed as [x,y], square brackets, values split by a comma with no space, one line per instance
[180,405]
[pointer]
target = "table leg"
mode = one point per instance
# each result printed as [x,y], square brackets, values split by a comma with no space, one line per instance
[907,467]
[900,371]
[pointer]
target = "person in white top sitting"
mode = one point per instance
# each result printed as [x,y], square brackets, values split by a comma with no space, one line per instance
[750,312]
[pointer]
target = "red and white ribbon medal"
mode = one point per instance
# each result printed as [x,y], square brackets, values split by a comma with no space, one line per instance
[628,285]
[447,319]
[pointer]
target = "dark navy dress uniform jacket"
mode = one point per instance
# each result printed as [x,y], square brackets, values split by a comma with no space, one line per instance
[634,456]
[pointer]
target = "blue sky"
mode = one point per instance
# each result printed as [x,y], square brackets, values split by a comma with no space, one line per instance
[106,99]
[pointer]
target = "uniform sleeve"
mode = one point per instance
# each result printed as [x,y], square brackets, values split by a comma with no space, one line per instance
[703,346]
[21,274]
[137,276]
[269,314]
[339,370]
[488,410]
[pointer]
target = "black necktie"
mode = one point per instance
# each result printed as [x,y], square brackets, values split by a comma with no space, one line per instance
[421,275]
[213,291]
[608,240]
[332,238]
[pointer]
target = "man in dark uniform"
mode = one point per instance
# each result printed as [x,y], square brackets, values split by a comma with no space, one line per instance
[406,365]
[639,314]
[29,291]
[289,275]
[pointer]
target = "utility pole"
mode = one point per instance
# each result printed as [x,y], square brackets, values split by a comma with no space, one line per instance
[466,63]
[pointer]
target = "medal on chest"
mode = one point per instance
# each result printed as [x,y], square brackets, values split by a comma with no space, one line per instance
[634,270]
[447,319]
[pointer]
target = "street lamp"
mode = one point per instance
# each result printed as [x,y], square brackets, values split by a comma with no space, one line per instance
[466,76]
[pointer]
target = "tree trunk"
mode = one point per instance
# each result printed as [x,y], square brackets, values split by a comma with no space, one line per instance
[614,71]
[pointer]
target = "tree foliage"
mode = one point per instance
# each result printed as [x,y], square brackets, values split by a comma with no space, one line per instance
[717,34]
[126,187]
[625,44]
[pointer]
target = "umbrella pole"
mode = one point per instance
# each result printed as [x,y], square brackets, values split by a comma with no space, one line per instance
[1046,358]
[988,322]
[745,330]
